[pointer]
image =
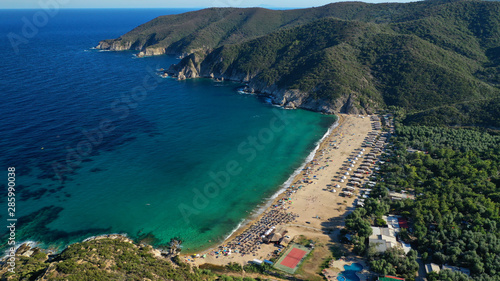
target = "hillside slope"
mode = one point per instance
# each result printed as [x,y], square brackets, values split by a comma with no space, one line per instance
[343,57]
[102,258]
[330,65]
[209,28]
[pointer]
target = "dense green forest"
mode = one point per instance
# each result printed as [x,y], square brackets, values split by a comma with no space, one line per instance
[455,217]
[456,214]
[485,113]
[214,27]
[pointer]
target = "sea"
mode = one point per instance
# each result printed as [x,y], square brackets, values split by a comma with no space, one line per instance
[101,144]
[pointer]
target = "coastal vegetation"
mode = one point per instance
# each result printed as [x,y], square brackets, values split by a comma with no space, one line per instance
[395,262]
[455,216]
[214,27]
[109,259]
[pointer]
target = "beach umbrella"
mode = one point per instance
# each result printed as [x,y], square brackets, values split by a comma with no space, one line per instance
[334,190]
[352,165]
[347,173]
[344,177]
[337,186]
[349,169]
[361,152]
[356,158]
[354,162]
[341,180]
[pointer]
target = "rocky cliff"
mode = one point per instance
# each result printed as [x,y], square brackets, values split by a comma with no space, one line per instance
[120,45]
[198,66]
[114,45]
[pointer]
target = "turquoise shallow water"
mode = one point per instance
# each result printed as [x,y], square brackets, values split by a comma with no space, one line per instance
[190,159]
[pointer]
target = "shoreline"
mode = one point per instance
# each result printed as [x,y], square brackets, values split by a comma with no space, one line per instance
[316,210]
[324,107]
[259,211]
[243,225]
[339,135]
[253,216]
[266,207]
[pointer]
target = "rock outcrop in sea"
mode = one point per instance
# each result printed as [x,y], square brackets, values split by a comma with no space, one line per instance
[120,45]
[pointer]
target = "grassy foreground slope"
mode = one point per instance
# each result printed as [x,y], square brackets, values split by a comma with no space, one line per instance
[103,259]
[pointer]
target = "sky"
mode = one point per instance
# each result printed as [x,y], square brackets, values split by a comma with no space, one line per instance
[70,4]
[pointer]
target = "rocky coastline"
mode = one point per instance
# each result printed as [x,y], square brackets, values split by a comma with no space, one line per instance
[192,66]
[200,66]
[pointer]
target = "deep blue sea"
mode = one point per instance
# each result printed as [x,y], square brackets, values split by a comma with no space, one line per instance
[101,144]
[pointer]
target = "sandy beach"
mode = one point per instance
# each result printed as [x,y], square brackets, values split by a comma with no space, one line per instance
[312,208]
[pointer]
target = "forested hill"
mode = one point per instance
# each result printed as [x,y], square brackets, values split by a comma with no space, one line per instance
[209,28]
[349,57]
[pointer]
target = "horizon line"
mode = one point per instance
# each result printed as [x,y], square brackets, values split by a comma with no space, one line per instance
[263,6]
